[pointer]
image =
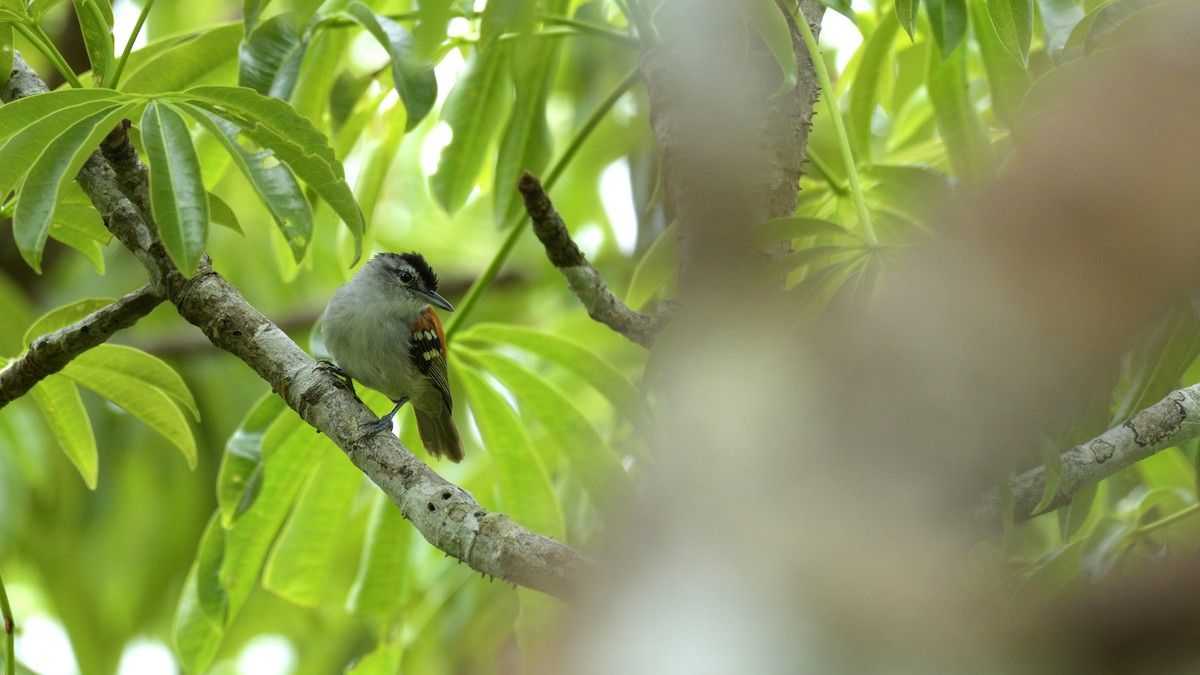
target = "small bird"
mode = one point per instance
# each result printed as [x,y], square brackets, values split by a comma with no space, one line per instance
[382,331]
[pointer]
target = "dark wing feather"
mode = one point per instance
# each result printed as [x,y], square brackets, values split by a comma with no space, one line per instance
[428,351]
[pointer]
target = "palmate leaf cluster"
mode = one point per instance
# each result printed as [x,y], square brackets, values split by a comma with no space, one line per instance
[310,155]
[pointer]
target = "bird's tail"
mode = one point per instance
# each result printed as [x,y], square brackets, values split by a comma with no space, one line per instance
[439,434]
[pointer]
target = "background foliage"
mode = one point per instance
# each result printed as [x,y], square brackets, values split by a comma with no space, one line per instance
[171,497]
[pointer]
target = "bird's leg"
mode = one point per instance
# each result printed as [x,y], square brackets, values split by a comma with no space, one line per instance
[327,366]
[384,422]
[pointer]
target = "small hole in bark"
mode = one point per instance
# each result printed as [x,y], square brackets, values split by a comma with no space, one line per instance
[432,507]
[446,494]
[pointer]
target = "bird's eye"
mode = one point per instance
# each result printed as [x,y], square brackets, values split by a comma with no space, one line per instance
[406,277]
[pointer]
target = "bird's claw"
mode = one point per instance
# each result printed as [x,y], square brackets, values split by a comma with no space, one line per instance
[382,423]
[327,366]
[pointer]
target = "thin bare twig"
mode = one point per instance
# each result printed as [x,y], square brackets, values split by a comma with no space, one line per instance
[52,352]
[581,276]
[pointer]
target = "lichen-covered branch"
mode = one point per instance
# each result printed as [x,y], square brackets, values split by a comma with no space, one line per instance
[582,277]
[1170,422]
[51,353]
[445,514]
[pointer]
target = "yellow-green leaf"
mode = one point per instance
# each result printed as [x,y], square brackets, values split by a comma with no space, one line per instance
[59,401]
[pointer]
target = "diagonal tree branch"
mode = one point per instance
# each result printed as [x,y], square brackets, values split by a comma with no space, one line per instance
[1168,423]
[445,514]
[581,276]
[52,352]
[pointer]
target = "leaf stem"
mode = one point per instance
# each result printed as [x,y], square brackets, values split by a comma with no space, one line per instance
[826,173]
[864,216]
[10,654]
[137,28]
[1165,521]
[515,226]
[589,28]
[563,31]
[42,42]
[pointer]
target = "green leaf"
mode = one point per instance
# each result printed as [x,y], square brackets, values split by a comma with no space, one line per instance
[240,477]
[64,316]
[300,561]
[432,27]
[270,58]
[18,312]
[776,230]
[143,366]
[770,22]
[381,585]
[200,617]
[1159,361]
[50,172]
[911,190]
[1058,18]
[1013,21]
[815,257]
[658,267]
[592,461]
[377,161]
[864,88]
[14,11]
[524,487]
[77,224]
[948,22]
[76,211]
[842,7]
[525,144]
[906,13]
[1052,463]
[87,246]
[196,60]
[473,110]
[1103,547]
[97,37]
[58,399]
[29,124]
[504,16]
[326,53]
[1075,519]
[222,214]
[539,623]
[347,92]
[1169,470]
[137,395]
[1052,573]
[275,125]
[272,181]
[38,8]
[958,122]
[292,451]
[411,72]
[1008,79]
[1110,18]
[569,355]
[250,11]
[177,194]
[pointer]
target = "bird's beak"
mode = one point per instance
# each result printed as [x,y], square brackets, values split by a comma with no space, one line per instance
[436,300]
